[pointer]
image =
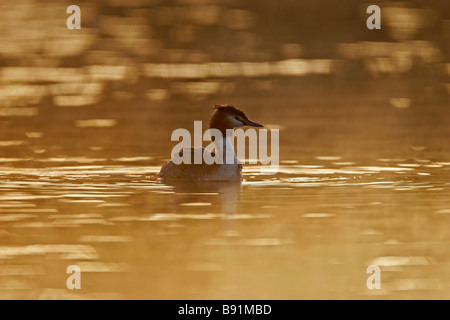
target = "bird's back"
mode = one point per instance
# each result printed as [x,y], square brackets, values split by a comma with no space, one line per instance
[201,172]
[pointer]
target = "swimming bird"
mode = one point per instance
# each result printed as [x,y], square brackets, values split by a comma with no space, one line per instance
[224,117]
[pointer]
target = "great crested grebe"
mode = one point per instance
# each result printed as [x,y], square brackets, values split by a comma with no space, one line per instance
[224,117]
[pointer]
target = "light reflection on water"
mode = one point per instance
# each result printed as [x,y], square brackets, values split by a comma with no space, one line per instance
[86,119]
[310,231]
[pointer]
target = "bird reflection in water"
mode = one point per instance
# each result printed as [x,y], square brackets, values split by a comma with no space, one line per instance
[227,195]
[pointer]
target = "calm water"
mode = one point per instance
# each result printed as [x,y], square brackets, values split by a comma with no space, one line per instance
[85,125]
[309,231]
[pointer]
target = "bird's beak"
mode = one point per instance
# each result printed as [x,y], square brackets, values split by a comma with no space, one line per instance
[251,123]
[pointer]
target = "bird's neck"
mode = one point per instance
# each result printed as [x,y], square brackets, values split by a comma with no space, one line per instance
[225,144]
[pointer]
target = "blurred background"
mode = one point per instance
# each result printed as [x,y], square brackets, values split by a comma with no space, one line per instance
[138,67]
[86,118]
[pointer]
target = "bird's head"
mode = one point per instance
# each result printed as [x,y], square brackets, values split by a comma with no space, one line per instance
[228,117]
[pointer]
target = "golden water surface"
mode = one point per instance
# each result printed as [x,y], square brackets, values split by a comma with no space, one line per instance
[85,123]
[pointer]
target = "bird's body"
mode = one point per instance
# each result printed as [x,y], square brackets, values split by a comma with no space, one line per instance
[201,172]
[224,117]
